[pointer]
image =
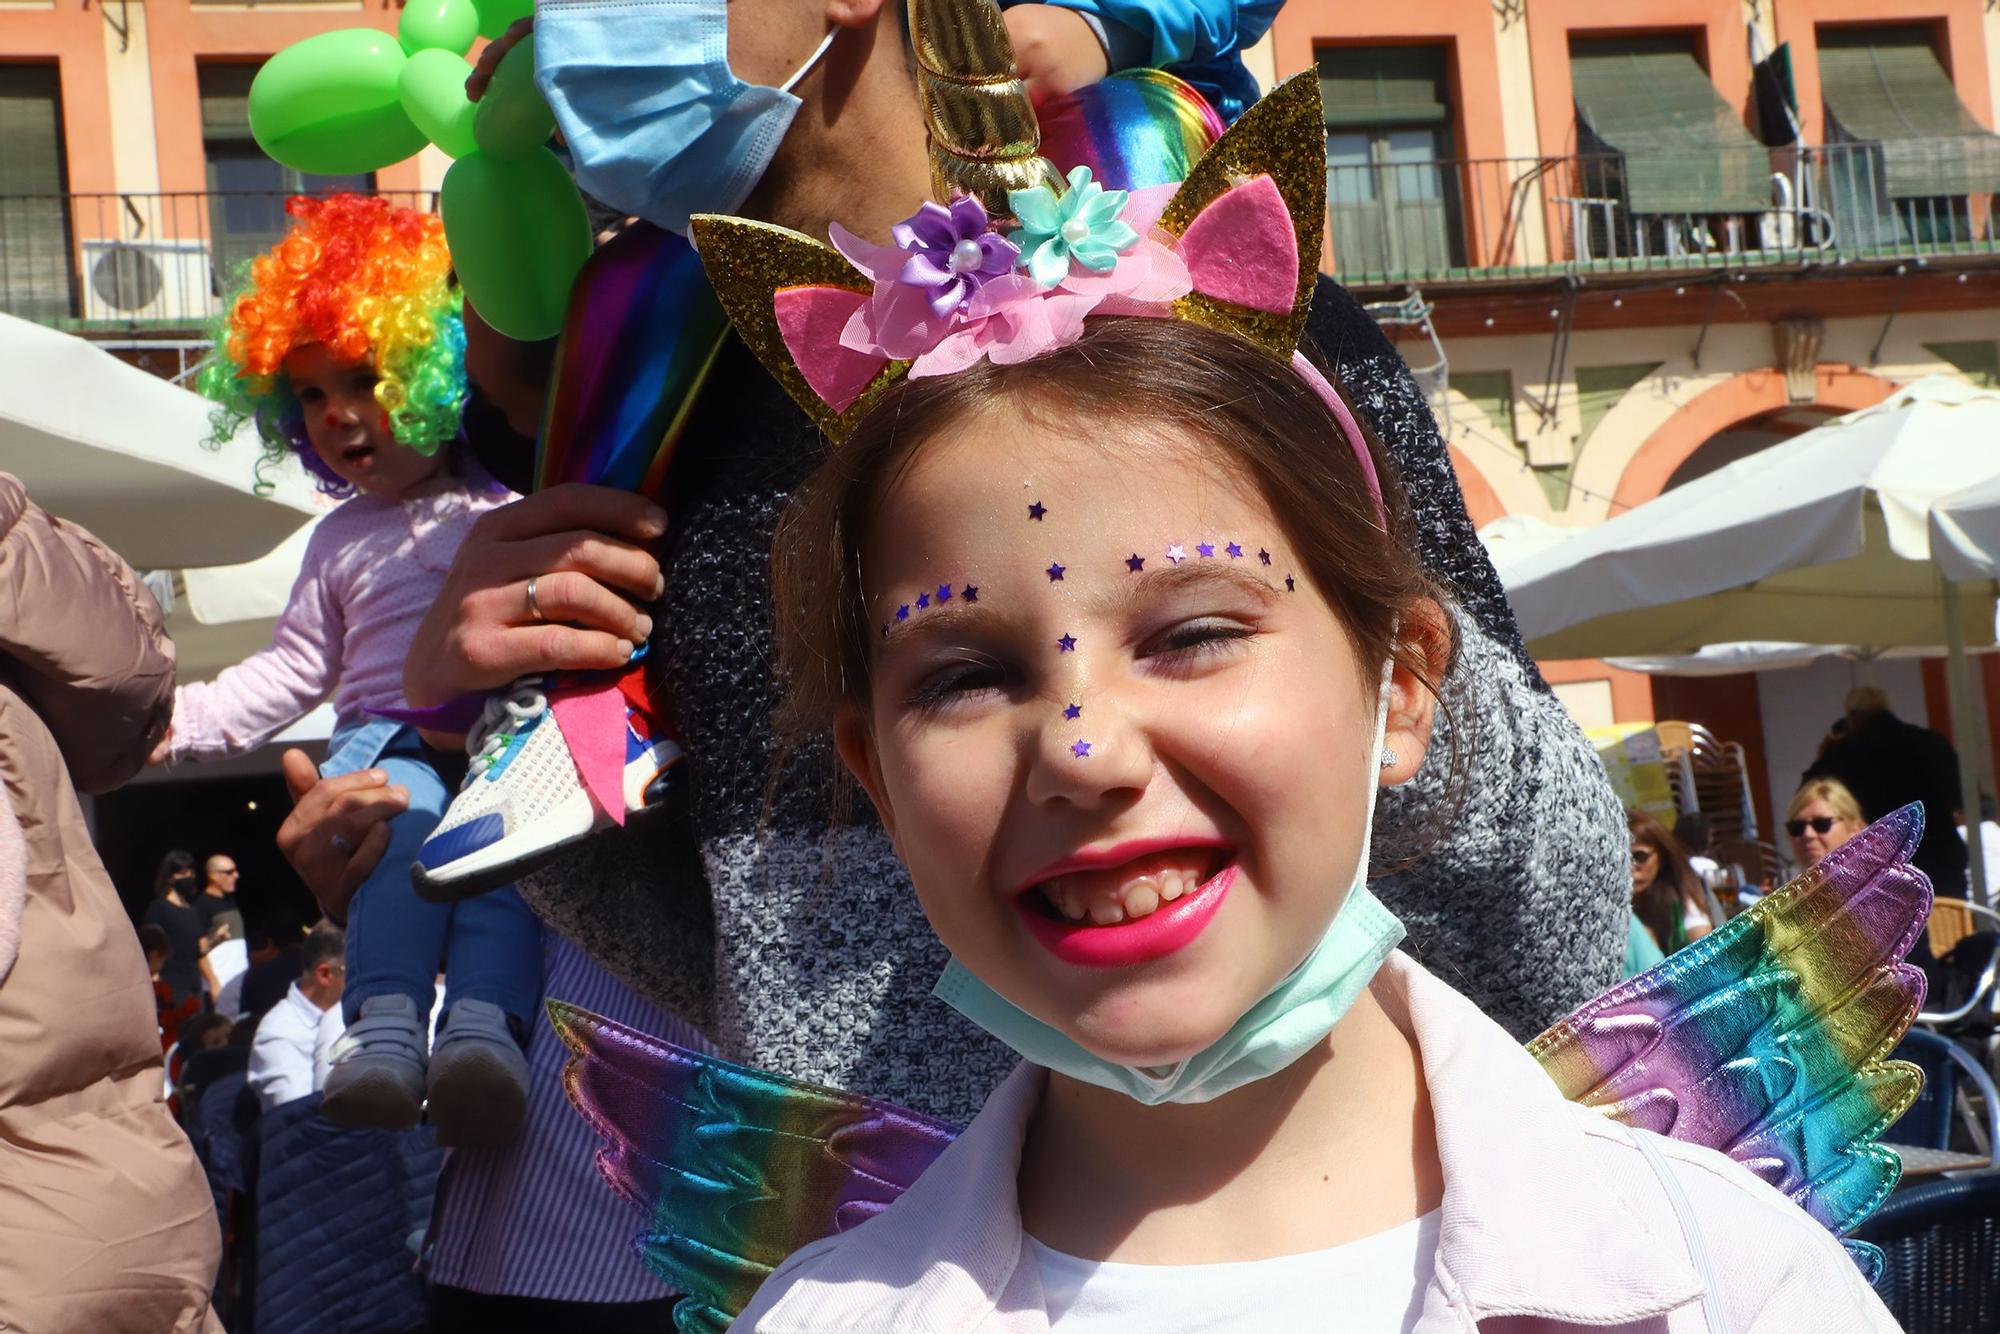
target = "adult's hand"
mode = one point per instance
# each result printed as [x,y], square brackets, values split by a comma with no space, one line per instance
[582,546]
[338,828]
[495,52]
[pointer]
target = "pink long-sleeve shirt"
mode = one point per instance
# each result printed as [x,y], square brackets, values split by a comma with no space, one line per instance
[372,569]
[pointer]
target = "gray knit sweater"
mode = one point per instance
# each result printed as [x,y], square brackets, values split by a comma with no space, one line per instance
[778,919]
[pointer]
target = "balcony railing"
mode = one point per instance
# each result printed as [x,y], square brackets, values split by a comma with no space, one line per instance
[164,261]
[134,261]
[1480,220]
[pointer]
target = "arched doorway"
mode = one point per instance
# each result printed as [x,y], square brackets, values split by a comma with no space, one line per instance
[1750,436]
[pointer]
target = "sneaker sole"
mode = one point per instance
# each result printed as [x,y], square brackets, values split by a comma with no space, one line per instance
[478,1097]
[370,1100]
[506,859]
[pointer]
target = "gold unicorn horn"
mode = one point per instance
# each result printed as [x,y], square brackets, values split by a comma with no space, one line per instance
[982,129]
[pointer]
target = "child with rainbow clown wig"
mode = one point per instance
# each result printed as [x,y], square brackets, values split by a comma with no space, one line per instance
[1112,609]
[346,348]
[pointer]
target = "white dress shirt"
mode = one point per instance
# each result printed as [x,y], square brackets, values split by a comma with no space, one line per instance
[281,1056]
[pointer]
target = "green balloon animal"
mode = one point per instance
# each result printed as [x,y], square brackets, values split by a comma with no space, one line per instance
[357,100]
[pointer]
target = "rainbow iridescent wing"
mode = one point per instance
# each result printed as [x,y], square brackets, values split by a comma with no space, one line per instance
[1766,1038]
[734,1168]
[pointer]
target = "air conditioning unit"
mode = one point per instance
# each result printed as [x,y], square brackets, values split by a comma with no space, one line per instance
[147,282]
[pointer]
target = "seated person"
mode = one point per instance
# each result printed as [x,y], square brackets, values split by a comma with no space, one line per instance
[281,1057]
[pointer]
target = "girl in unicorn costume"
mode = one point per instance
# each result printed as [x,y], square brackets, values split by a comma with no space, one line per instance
[1111,608]
[346,348]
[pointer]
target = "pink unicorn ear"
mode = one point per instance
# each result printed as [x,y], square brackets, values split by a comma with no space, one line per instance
[789,297]
[810,320]
[1253,272]
[1243,249]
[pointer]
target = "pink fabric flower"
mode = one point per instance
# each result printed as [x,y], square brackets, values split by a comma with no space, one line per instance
[1008,319]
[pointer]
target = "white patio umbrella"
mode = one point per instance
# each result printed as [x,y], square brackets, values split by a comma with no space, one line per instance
[1822,539]
[119,451]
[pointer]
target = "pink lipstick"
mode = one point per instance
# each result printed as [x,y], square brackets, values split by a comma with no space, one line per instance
[1165,931]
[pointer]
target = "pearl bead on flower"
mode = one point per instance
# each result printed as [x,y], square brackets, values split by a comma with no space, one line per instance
[1076,231]
[966,257]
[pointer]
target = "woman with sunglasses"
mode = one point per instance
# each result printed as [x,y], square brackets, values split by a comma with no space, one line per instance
[1823,815]
[1666,893]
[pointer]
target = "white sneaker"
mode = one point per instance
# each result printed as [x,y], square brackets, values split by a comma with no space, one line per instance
[376,1074]
[479,1079]
[523,799]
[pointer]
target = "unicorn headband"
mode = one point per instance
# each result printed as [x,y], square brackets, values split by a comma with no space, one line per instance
[1234,247]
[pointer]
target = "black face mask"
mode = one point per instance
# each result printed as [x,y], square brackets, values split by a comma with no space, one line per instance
[181,881]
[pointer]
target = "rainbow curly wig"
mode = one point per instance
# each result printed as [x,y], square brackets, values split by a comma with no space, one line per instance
[366,279]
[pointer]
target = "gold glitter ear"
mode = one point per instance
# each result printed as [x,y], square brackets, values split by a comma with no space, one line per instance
[748,264]
[1282,136]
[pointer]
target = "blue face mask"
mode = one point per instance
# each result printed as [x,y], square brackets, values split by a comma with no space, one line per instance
[656,121]
[1293,1019]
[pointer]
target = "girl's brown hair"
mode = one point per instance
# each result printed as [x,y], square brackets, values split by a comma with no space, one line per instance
[1662,907]
[1206,385]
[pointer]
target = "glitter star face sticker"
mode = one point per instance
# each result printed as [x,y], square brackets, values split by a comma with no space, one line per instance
[1055,573]
[923,601]
[1081,749]
[1235,549]
[1037,510]
[944,593]
[970,593]
[1290,585]
[1135,562]
[1073,712]
[903,612]
[1205,548]
[1263,557]
[1177,553]
[1067,644]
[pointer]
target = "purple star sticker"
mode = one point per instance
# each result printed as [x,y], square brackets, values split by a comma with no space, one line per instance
[1264,556]
[1234,549]
[944,592]
[1290,587]
[923,601]
[1081,749]
[970,593]
[903,612]
[1177,553]
[1055,573]
[1067,643]
[1037,510]
[1073,711]
[1205,548]
[1135,562]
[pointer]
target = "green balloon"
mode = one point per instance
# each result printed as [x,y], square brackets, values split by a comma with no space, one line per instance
[433,88]
[438,25]
[518,233]
[514,119]
[331,104]
[496,16]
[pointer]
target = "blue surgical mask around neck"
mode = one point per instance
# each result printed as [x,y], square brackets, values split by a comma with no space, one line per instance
[1291,1020]
[656,121]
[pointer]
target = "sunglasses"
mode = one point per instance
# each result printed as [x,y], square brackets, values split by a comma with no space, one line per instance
[1819,824]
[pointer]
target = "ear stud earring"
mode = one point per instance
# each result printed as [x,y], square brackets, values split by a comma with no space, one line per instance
[1389,757]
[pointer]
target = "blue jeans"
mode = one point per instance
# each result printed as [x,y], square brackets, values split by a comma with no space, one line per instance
[490,947]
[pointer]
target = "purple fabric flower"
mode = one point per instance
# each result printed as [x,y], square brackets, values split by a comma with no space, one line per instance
[953,252]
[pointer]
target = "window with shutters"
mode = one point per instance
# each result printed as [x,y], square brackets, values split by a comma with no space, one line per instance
[1391,189]
[1917,153]
[247,189]
[35,256]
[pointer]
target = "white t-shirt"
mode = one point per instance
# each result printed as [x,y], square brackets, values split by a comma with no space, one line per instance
[1371,1286]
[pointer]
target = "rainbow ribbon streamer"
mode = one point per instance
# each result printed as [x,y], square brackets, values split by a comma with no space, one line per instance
[642,333]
